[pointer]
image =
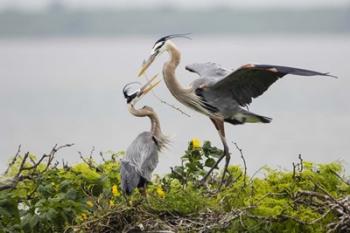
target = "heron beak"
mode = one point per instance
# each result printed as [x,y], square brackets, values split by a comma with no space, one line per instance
[149,85]
[146,64]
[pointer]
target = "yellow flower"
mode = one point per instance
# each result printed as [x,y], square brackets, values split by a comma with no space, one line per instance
[83,216]
[115,191]
[111,203]
[160,192]
[90,204]
[196,143]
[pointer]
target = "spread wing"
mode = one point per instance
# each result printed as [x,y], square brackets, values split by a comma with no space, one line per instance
[251,81]
[208,69]
[209,73]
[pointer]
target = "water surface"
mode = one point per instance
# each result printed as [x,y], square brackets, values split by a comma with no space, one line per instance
[69,91]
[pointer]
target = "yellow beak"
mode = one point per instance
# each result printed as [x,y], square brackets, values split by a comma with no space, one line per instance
[149,85]
[146,64]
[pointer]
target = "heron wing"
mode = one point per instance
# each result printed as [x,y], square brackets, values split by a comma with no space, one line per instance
[142,154]
[130,177]
[208,69]
[150,160]
[209,73]
[251,81]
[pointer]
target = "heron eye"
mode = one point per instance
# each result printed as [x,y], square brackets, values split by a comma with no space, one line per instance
[157,46]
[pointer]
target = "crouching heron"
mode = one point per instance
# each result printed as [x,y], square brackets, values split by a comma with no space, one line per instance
[142,155]
[219,93]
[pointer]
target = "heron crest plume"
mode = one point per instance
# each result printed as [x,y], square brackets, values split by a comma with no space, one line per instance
[168,37]
[131,88]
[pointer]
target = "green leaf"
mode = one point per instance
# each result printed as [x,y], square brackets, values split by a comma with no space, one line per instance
[210,162]
[34,220]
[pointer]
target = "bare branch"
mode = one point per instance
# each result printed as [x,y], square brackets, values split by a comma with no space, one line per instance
[340,177]
[20,169]
[294,169]
[32,170]
[244,163]
[65,165]
[88,162]
[301,163]
[92,152]
[255,173]
[298,167]
[171,105]
[103,158]
[327,203]
[166,103]
[13,160]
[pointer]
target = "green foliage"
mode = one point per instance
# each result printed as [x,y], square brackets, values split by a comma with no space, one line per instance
[57,198]
[179,200]
[195,161]
[73,199]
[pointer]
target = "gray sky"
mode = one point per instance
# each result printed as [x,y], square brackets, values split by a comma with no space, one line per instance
[38,4]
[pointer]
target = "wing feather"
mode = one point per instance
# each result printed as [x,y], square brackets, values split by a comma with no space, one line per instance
[142,154]
[251,81]
[207,70]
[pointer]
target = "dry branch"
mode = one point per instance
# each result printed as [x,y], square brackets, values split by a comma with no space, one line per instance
[13,160]
[168,104]
[138,219]
[31,171]
[325,204]
[244,162]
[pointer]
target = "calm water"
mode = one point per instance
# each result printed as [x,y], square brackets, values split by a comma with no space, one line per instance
[69,90]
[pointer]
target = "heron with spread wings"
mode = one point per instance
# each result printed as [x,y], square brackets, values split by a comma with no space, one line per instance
[142,155]
[219,93]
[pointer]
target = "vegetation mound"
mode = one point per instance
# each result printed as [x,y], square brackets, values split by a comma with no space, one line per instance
[41,195]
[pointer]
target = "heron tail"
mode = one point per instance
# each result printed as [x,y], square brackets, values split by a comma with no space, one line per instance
[264,119]
[248,117]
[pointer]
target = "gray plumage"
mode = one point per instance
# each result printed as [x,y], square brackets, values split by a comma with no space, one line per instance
[225,92]
[139,162]
[142,155]
[219,93]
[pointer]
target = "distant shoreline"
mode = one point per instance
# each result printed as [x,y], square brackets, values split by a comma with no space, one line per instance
[62,22]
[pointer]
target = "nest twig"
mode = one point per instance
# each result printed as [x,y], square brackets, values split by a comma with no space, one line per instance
[138,219]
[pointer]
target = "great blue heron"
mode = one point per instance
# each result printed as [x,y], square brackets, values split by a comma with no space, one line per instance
[142,155]
[219,93]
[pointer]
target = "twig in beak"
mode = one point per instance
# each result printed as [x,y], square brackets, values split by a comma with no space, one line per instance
[163,101]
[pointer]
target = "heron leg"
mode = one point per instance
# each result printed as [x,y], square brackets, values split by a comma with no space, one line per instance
[143,190]
[227,156]
[128,202]
[219,125]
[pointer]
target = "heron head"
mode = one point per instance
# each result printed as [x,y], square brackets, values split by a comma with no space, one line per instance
[134,91]
[158,48]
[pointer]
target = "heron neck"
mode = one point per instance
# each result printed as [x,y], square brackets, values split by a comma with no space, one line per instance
[169,70]
[155,124]
[175,55]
